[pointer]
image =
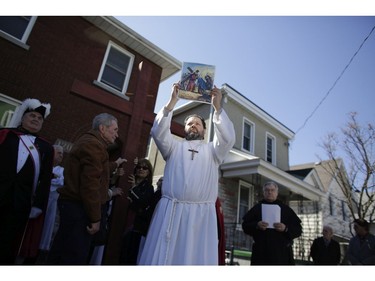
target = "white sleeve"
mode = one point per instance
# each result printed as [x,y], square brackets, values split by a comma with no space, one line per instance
[225,135]
[161,132]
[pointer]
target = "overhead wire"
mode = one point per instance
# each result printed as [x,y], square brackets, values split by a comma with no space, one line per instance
[334,84]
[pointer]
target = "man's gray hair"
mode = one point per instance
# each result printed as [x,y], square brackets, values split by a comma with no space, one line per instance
[58,147]
[104,119]
[270,183]
[330,229]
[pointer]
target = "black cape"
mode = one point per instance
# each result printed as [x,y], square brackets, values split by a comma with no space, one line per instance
[272,247]
[16,196]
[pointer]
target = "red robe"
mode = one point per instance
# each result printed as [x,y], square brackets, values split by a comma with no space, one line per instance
[221,232]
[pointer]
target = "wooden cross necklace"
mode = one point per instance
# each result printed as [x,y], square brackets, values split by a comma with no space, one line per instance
[193,150]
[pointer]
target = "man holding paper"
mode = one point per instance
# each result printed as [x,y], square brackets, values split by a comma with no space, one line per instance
[273,226]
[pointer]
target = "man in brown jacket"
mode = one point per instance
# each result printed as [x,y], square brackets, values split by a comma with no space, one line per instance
[85,190]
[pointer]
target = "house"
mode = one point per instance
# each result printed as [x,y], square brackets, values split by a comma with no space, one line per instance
[84,66]
[260,154]
[331,210]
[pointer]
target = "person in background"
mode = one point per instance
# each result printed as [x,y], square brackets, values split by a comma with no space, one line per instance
[100,237]
[361,250]
[99,241]
[25,176]
[183,229]
[141,196]
[157,195]
[50,219]
[273,241]
[85,191]
[155,201]
[325,250]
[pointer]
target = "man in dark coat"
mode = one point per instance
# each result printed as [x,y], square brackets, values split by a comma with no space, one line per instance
[361,250]
[273,226]
[25,177]
[325,250]
[85,191]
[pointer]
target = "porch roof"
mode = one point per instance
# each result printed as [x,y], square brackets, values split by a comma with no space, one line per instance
[238,165]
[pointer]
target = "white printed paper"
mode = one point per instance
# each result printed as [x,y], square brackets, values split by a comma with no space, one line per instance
[271,213]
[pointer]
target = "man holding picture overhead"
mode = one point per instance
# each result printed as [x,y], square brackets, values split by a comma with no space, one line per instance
[184,229]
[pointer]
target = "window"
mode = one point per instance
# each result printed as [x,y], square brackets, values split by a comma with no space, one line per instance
[332,210]
[343,209]
[7,107]
[16,29]
[248,136]
[245,199]
[116,69]
[270,148]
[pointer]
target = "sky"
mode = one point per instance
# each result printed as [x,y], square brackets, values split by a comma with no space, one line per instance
[286,65]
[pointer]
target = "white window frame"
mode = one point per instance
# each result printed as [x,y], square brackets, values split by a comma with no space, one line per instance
[252,135]
[20,41]
[250,187]
[128,71]
[7,115]
[273,152]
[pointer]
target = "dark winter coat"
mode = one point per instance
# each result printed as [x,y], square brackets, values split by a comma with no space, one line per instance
[272,247]
[323,254]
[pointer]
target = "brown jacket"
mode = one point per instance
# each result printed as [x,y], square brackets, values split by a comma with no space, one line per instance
[87,174]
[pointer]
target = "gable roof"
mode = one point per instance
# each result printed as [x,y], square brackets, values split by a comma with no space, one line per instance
[320,168]
[301,174]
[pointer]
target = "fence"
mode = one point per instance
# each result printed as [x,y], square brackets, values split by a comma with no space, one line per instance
[238,245]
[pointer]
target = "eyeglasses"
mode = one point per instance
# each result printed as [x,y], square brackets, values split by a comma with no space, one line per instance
[141,167]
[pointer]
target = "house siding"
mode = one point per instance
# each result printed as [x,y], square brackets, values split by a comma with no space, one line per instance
[237,113]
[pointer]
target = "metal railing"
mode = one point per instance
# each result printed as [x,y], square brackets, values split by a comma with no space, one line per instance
[236,241]
[236,238]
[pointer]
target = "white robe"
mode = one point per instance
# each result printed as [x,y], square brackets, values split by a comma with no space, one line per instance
[50,218]
[183,230]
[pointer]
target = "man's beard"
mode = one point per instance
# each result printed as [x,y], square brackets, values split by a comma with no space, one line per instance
[193,136]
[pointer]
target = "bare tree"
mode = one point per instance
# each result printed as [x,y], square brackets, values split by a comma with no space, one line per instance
[357,143]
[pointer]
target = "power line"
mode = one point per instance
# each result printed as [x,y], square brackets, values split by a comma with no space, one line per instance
[334,84]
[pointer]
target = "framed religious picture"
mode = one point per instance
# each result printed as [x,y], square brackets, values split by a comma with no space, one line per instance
[197,81]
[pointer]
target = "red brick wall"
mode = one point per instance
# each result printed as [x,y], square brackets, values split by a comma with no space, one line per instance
[63,60]
[64,50]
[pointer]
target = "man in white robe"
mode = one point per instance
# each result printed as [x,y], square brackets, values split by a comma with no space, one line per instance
[183,230]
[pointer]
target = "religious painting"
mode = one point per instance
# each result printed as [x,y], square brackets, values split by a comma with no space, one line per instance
[197,81]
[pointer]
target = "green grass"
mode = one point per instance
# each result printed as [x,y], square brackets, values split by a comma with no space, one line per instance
[240,253]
